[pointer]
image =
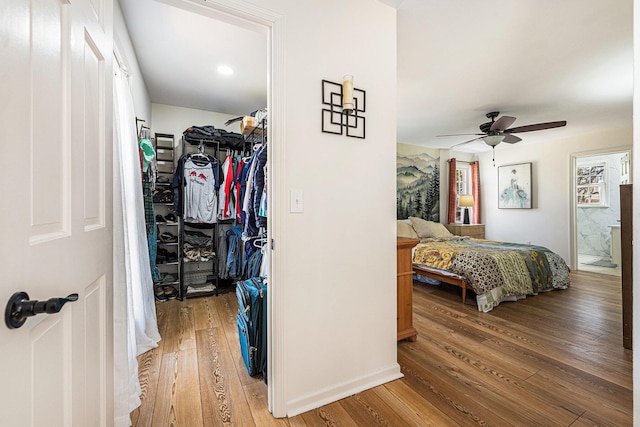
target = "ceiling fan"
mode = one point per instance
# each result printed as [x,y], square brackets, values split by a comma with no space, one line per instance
[497,131]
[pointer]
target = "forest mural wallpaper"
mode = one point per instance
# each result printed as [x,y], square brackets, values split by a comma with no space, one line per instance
[418,182]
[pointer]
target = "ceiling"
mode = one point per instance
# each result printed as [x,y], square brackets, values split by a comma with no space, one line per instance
[179,52]
[536,60]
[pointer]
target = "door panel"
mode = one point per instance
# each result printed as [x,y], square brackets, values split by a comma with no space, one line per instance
[95,349]
[93,78]
[97,7]
[55,135]
[51,345]
[49,141]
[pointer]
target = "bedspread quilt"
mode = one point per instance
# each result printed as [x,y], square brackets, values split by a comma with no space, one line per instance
[497,271]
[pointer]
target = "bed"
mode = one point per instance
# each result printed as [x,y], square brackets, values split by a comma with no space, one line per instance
[495,271]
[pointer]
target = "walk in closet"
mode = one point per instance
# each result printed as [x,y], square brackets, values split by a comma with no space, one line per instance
[210,210]
[203,255]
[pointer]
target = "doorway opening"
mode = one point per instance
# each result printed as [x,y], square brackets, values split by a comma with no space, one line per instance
[269,25]
[596,179]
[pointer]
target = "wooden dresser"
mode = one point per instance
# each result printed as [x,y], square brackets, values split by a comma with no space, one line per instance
[405,289]
[471,230]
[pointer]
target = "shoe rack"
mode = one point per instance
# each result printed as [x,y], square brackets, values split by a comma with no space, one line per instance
[168,224]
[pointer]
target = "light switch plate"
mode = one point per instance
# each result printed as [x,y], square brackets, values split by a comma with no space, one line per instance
[297,201]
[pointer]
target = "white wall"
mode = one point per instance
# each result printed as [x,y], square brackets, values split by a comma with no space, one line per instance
[336,270]
[122,41]
[548,222]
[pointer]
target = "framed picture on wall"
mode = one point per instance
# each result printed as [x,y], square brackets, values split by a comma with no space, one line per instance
[514,186]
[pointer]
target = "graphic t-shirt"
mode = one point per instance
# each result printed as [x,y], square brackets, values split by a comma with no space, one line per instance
[200,200]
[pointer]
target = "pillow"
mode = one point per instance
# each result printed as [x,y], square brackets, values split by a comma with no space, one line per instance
[406,230]
[429,228]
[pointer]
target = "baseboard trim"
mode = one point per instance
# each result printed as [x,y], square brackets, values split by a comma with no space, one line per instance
[340,391]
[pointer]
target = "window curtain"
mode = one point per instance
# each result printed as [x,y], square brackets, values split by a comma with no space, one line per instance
[135,322]
[475,192]
[451,206]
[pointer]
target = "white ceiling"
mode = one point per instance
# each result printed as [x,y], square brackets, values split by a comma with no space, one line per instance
[536,60]
[179,52]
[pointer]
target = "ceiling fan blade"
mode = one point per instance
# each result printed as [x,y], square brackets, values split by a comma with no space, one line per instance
[502,123]
[511,139]
[538,126]
[466,142]
[461,134]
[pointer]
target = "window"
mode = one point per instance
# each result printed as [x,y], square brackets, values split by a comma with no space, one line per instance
[463,186]
[591,184]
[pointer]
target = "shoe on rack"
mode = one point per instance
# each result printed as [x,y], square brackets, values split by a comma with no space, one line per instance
[167,237]
[167,256]
[197,233]
[160,219]
[160,293]
[165,278]
[170,292]
[170,217]
[169,278]
[164,196]
[168,196]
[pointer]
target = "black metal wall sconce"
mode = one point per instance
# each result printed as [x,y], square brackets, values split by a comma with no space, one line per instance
[346,106]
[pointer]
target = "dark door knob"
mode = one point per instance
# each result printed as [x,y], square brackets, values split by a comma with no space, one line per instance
[20,307]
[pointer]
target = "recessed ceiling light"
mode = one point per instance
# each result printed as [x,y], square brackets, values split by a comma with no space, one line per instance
[225,70]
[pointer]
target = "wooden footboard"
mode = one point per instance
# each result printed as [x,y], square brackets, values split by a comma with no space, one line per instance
[458,281]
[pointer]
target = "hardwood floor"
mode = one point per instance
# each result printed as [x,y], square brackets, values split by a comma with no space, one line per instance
[555,359]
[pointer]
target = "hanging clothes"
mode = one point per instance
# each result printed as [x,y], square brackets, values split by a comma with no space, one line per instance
[150,222]
[239,189]
[226,199]
[247,182]
[222,257]
[262,211]
[234,252]
[196,170]
[200,203]
[147,153]
[257,186]
[254,261]
[250,228]
[264,264]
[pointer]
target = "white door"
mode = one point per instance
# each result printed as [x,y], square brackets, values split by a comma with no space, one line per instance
[55,210]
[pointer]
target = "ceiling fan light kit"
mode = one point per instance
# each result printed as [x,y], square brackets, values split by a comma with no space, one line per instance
[493,140]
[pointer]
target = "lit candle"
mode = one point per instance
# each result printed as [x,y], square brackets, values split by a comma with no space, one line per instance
[347,94]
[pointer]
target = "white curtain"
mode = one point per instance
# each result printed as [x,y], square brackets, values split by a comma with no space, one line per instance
[135,322]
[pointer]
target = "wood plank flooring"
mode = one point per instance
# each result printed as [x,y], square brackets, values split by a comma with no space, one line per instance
[555,359]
